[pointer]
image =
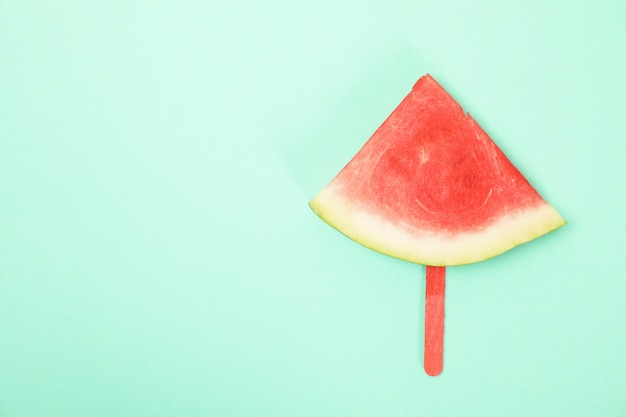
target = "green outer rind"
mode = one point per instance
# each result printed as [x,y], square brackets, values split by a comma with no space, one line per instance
[427,247]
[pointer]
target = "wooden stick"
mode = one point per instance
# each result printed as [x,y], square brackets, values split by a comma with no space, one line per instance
[433,319]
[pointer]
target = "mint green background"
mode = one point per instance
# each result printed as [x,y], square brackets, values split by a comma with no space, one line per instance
[157,255]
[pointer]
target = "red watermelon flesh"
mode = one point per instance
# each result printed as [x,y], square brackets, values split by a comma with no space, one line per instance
[431,187]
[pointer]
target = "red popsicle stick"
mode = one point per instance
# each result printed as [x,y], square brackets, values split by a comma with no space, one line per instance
[433,319]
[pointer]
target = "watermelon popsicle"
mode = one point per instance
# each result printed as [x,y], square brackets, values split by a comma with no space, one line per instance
[431,187]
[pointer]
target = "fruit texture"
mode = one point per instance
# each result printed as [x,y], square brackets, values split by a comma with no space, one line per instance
[431,187]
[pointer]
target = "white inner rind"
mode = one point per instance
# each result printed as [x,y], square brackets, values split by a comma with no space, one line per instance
[427,247]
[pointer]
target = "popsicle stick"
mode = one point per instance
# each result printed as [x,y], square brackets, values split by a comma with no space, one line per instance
[433,319]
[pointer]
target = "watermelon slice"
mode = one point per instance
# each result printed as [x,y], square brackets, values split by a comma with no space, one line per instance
[431,187]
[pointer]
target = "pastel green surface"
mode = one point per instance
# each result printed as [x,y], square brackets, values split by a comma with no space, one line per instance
[158,257]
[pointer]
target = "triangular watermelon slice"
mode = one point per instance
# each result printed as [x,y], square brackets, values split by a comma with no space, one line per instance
[431,187]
